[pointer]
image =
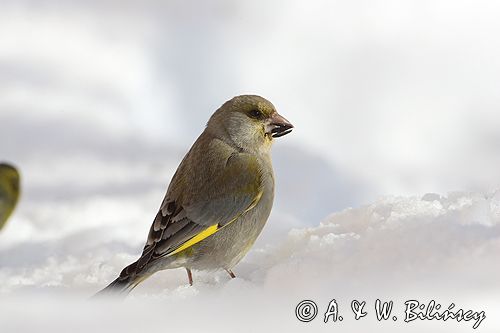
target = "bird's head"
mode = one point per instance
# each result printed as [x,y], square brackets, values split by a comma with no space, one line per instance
[249,121]
[9,179]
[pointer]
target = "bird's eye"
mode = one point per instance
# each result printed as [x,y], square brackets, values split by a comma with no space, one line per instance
[255,114]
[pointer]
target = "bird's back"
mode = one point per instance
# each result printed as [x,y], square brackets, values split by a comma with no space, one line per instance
[200,173]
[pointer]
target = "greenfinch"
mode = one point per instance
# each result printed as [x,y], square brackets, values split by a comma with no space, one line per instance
[9,191]
[218,200]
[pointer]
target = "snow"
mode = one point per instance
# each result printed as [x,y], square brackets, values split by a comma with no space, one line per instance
[394,106]
[441,247]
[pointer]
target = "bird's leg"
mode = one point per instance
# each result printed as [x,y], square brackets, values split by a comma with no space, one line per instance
[231,274]
[190,276]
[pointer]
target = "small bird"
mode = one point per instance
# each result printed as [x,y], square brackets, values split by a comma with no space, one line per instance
[218,200]
[9,191]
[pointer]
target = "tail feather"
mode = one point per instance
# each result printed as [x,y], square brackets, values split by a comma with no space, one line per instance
[121,286]
[128,279]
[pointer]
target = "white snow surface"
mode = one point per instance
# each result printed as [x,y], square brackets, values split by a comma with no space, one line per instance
[100,101]
[441,247]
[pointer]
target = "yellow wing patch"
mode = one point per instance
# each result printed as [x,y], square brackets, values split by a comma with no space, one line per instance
[252,205]
[213,229]
[196,239]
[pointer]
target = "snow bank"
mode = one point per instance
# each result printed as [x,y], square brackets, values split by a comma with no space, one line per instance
[398,248]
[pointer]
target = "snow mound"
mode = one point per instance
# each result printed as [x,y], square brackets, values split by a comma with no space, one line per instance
[428,247]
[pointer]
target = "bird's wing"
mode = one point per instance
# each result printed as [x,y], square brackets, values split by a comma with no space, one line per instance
[4,205]
[230,192]
[9,192]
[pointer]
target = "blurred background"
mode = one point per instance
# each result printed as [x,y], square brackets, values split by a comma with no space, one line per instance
[100,100]
[388,97]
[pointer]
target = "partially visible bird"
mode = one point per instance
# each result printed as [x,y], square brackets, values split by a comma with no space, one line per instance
[9,191]
[218,200]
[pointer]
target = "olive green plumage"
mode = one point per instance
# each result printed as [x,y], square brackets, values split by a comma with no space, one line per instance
[9,191]
[219,198]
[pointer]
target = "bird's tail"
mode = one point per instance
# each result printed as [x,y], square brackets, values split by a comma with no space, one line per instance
[119,287]
[124,283]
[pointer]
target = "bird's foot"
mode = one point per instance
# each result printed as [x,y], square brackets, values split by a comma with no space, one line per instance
[231,274]
[190,276]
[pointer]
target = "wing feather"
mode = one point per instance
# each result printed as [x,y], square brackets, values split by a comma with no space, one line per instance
[232,188]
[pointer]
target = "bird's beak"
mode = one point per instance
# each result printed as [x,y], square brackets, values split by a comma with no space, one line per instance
[278,126]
